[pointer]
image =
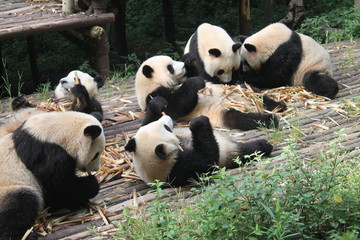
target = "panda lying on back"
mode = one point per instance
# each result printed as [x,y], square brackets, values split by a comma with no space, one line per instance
[277,56]
[38,163]
[164,77]
[177,155]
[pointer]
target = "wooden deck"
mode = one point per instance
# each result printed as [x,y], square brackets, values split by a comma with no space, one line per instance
[119,185]
[20,18]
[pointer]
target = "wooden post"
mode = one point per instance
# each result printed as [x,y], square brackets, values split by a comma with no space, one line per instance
[245,24]
[102,49]
[68,6]
[268,10]
[31,42]
[2,70]
[119,27]
[169,25]
[357,3]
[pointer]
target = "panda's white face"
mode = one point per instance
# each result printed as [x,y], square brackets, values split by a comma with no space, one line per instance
[62,90]
[218,51]
[80,134]
[155,72]
[156,150]
[259,47]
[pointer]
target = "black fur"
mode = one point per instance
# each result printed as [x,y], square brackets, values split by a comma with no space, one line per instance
[155,107]
[234,119]
[99,80]
[85,103]
[19,211]
[92,131]
[55,169]
[279,68]
[181,101]
[204,155]
[320,84]
[20,102]
[195,66]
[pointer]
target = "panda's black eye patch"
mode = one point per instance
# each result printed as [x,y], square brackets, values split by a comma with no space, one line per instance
[220,72]
[95,157]
[171,69]
[167,128]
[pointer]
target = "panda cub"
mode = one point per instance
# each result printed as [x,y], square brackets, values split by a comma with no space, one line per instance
[177,155]
[38,163]
[277,56]
[212,54]
[86,90]
[164,77]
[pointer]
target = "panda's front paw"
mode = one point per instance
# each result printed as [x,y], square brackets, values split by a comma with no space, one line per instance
[20,102]
[79,91]
[157,105]
[93,186]
[199,123]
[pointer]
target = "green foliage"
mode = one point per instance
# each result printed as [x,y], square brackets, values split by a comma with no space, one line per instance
[313,199]
[327,28]
[43,91]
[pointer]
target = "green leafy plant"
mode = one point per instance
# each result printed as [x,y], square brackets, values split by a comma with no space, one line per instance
[315,198]
[43,91]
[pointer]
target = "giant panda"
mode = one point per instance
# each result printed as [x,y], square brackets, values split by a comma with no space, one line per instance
[277,56]
[162,76]
[212,54]
[83,94]
[177,155]
[38,163]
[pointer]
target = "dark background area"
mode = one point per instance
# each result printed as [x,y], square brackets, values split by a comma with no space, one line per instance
[148,33]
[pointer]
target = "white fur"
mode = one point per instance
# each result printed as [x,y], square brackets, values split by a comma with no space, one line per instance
[267,40]
[62,90]
[211,36]
[160,76]
[147,164]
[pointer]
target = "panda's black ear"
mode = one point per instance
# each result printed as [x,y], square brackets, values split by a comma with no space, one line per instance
[147,71]
[99,80]
[160,151]
[215,52]
[92,131]
[131,145]
[250,47]
[236,46]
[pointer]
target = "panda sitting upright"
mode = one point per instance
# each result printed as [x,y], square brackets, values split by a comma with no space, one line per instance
[177,155]
[277,56]
[211,54]
[38,163]
[164,77]
[86,90]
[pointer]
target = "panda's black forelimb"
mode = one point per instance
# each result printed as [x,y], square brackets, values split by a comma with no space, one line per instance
[86,104]
[247,149]
[154,110]
[182,100]
[270,104]
[235,119]
[55,170]
[20,204]
[20,102]
[320,84]
[201,159]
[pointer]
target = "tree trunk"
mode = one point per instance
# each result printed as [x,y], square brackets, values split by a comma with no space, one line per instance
[119,27]
[357,3]
[245,20]
[268,10]
[102,48]
[2,68]
[68,6]
[169,26]
[295,15]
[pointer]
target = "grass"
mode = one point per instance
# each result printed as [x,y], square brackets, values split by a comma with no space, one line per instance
[316,198]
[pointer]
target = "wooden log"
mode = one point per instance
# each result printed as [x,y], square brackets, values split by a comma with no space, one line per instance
[60,24]
[102,49]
